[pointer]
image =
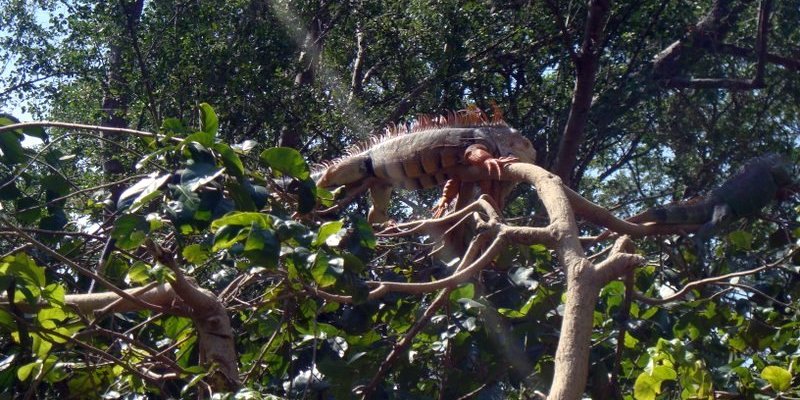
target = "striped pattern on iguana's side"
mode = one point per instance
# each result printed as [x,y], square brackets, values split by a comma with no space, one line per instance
[429,153]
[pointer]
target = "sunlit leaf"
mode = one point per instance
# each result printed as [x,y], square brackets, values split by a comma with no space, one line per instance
[779,378]
[139,273]
[287,161]
[199,174]
[741,240]
[230,159]
[142,192]
[208,119]
[244,219]
[326,231]
[130,231]
[195,253]
[466,291]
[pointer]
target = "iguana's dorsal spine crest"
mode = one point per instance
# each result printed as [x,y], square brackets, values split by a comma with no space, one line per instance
[470,117]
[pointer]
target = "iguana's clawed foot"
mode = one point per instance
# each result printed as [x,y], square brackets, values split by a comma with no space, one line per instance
[440,208]
[495,165]
[449,193]
[478,154]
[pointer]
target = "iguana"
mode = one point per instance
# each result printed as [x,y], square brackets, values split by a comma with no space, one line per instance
[433,151]
[760,181]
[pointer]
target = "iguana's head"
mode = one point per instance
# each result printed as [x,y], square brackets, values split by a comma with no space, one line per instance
[783,175]
[512,143]
[343,171]
[781,170]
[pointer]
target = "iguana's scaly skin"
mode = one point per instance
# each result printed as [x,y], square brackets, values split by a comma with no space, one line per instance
[432,152]
[757,184]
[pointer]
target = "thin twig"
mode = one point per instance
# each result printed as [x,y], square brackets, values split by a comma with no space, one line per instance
[711,281]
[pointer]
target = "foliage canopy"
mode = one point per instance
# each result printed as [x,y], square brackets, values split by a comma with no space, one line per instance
[227,189]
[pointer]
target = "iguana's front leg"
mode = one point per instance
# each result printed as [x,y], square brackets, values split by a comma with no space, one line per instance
[722,216]
[450,192]
[476,154]
[381,195]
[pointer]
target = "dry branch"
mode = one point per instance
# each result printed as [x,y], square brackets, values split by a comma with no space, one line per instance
[69,125]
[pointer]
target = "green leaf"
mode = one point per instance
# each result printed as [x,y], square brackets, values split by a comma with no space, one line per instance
[130,231]
[205,139]
[139,273]
[287,161]
[324,269]
[522,312]
[466,291]
[326,231]
[741,240]
[230,159]
[11,148]
[195,253]
[35,131]
[177,327]
[648,384]
[55,293]
[663,373]
[196,377]
[9,190]
[8,119]
[142,192]
[24,267]
[228,235]
[56,184]
[779,378]
[306,192]
[240,195]
[630,341]
[7,321]
[29,216]
[27,370]
[41,346]
[199,174]
[262,247]
[208,119]
[244,219]
[174,126]
[646,387]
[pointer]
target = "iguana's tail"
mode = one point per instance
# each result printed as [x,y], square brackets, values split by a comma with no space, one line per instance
[697,213]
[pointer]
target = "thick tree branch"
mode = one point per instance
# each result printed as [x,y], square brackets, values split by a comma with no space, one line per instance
[357,78]
[216,339]
[584,280]
[707,37]
[585,71]
[790,63]
[133,13]
[85,271]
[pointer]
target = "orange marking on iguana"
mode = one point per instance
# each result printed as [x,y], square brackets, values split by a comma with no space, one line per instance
[429,153]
